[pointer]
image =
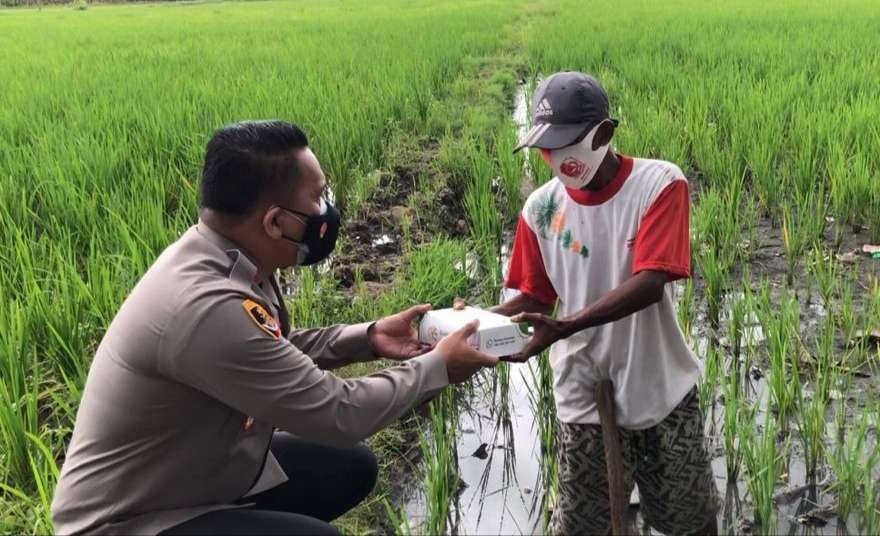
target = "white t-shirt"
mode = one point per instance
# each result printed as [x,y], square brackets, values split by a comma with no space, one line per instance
[578,245]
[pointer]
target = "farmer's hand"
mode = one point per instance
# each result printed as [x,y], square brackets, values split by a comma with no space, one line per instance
[395,337]
[462,359]
[546,331]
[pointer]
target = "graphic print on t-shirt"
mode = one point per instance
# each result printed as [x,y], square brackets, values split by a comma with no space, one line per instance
[550,220]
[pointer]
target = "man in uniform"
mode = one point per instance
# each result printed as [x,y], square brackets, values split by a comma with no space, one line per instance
[601,242]
[176,430]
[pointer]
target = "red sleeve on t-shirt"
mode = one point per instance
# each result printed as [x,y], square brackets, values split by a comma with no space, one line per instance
[527,273]
[663,240]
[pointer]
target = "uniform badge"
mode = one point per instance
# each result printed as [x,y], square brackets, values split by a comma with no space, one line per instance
[261,318]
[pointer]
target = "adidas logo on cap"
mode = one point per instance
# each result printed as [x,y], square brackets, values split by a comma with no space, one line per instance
[543,109]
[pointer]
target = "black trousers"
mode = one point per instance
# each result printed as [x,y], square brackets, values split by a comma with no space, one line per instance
[324,483]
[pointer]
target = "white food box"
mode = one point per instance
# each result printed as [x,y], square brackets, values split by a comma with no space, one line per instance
[496,334]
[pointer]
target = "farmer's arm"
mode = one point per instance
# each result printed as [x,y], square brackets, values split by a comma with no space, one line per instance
[661,253]
[639,291]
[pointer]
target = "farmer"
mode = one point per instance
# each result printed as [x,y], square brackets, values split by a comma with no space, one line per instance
[176,431]
[602,241]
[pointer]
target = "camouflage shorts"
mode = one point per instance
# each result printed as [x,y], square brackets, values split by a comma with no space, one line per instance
[669,462]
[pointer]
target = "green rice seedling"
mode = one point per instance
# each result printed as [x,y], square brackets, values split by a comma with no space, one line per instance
[869,509]
[738,308]
[44,471]
[851,190]
[541,399]
[848,320]
[811,410]
[826,274]
[539,171]
[510,167]
[779,321]
[484,218]
[398,520]
[765,462]
[685,308]
[714,270]
[738,417]
[502,383]
[751,337]
[715,239]
[802,227]
[441,480]
[853,464]
[19,389]
[874,214]
[708,385]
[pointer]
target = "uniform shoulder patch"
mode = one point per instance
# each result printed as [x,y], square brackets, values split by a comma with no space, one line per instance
[261,318]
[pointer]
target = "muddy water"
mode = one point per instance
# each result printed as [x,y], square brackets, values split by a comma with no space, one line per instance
[498,458]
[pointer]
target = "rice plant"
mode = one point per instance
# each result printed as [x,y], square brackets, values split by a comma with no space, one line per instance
[826,273]
[484,218]
[765,462]
[853,464]
[440,470]
[812,407]
[802,225]
[398,520]
[540,393]
[685,308]
[738,418]
[783,379]
[708,385]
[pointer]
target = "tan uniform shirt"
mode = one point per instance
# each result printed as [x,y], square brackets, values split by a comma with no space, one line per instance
[186,387]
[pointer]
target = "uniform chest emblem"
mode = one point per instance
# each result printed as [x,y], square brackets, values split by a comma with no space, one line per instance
[261,318]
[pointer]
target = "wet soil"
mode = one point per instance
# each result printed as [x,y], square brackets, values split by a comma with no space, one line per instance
[371,239]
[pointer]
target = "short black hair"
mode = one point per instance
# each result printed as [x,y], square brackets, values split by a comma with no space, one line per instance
[248,160]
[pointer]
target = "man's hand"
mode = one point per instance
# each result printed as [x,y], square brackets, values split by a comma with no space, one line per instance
[395,337]
[462,359]
[547,330]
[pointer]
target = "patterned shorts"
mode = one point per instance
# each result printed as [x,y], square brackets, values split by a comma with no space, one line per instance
[669,462]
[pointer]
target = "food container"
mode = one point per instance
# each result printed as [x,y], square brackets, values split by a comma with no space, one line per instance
[496,334]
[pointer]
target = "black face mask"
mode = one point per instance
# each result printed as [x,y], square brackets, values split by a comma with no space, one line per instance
[320,235]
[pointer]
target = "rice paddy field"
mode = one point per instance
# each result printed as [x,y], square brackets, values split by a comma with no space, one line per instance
[413,108]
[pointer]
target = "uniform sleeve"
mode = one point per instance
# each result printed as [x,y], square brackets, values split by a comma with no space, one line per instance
[663,239]
[221,351]
[334,346]
[527,273]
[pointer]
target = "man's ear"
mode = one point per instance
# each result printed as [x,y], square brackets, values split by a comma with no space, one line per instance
[604,134]
[271,223]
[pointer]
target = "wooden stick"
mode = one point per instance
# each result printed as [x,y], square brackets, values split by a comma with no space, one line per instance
[613,461]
